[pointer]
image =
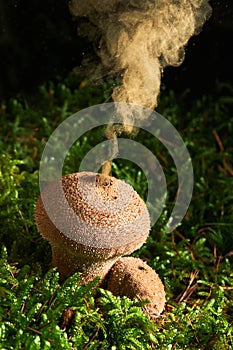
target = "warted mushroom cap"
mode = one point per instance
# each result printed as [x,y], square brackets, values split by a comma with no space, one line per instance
[103,217]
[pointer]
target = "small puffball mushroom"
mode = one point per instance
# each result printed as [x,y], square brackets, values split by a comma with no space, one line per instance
[132,277]
[111,220]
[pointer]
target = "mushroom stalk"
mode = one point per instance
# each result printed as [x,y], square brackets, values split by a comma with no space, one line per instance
[89,264]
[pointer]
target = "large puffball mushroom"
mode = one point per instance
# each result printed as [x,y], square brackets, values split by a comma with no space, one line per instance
[132,277]
[111,220]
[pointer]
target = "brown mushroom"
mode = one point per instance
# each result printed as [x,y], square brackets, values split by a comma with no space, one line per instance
[132,277]
[112,220]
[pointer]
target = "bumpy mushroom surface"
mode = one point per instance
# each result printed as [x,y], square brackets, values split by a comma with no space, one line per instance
[132,277]
[111,220]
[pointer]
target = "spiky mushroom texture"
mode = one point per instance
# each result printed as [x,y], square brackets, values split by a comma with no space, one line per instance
[112,220]
[132,277]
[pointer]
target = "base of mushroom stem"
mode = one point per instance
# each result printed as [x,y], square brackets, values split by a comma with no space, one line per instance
[127,276]
[68,263]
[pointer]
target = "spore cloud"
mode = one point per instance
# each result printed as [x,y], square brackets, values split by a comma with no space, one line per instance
[137,39]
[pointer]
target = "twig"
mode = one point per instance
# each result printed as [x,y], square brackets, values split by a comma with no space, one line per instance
[223,287]
[34,330]
[187,245]
[174,244]
[90,340]
[23,219]
[182,237]
[189,289]
[227,167]
[219,142]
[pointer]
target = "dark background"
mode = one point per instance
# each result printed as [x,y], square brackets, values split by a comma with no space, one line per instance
[38,42]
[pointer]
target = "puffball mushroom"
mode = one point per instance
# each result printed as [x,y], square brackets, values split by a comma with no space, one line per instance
[132,277]
[112,220]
